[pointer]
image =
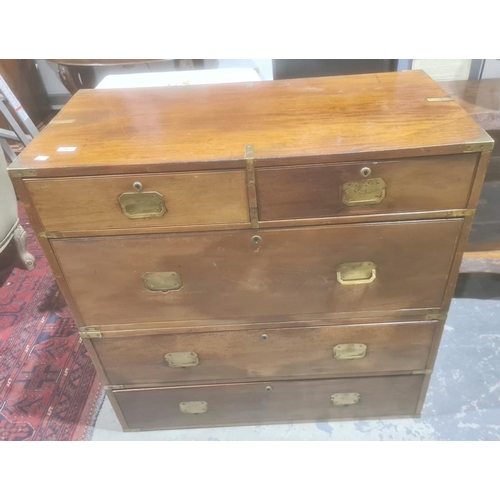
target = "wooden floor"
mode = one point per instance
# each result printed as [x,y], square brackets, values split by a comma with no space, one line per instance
[481,262]
[491,255]
[479,276]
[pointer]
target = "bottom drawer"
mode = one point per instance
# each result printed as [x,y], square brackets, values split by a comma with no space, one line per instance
[273,402]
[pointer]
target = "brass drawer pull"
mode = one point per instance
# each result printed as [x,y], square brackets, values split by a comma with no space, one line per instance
[162,281]
[349,351]
[193,407]
[142,205]
[182,359]
[365,192]
[345,398]
[356,273]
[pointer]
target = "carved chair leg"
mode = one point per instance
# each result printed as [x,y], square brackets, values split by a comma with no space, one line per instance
[20,242]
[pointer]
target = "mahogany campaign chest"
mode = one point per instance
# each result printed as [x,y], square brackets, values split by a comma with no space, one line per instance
[258,252]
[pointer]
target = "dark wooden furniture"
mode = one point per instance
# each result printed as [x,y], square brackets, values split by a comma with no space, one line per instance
[260,252]
[78,74]
[481,99]
[284,69]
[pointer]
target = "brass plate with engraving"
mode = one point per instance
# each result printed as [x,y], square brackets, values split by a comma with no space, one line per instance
[345,398]
[365,192]
[356,273]
[162,281]
[143,205]
[193,407]
[349,351]
[182,359]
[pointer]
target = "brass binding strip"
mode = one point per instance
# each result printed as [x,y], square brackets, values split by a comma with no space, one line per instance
[440,99]
[60,122]
[22,172]
[252,191]
[441,316]
[461,213]
[90,332]
[50,234]
[421,372]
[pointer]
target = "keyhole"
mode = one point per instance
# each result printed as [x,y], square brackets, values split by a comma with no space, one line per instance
[137,186]
[365,171]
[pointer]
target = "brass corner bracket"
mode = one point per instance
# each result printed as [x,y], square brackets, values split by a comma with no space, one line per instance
[484,144]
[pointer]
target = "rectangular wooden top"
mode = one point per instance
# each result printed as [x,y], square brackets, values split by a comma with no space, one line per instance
[375,116]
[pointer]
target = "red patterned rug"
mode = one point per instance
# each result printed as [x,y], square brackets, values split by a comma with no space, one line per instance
[48,387]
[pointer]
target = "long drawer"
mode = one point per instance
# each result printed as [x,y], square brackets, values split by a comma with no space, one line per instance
[246,275]
[268,402]
[283,353]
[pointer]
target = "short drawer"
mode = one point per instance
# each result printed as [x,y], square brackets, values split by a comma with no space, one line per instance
[269,402]
[250,276]
[140,201]
[368,188]
[288,352]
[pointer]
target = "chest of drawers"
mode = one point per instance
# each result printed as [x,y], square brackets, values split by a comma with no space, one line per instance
[256,253]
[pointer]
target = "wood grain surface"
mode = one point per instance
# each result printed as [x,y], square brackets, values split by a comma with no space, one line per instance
[371,116]
[269,402]
[86,203]
[289,273]
[316,191]
[266,353]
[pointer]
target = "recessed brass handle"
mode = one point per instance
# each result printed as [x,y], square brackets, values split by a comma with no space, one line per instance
[142,204]
[345,398]
[349,351]
[162,281]
[193,407]
[182,359]
[356,273]
[365,192]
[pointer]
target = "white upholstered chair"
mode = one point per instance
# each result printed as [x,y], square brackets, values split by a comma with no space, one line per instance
[10,229]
